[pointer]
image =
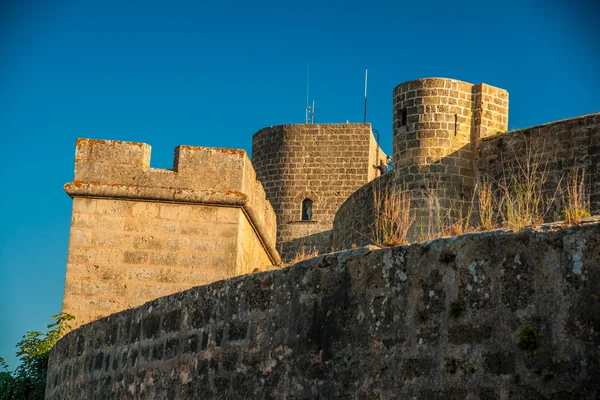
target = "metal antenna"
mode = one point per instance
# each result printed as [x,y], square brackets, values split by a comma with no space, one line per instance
[313,113]
[366,78]
[307,106]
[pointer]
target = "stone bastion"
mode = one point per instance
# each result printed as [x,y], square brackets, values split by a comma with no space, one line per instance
[139,233]
[493,315]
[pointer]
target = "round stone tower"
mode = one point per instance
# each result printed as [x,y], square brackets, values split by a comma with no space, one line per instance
[307,171]
[436,124]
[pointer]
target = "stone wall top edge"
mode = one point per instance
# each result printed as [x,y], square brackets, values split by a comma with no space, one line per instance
[82,141]
[175,195]
[124,163]
[579,118]
[312,126]
[431,79]
[109,141]
[225,150]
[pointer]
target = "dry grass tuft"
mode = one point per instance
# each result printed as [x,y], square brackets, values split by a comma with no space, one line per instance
[452,220]
[303,254]
[575,199]
[486,204]
[393,217]
[524,202]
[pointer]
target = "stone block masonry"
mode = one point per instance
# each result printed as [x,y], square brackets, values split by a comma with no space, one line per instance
[492,315]
[139,233]
[324,163]
[437,123]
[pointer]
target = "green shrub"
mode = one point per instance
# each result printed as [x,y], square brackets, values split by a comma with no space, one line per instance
[28,380]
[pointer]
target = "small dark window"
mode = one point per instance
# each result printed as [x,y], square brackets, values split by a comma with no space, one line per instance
[403,117]
[307,209]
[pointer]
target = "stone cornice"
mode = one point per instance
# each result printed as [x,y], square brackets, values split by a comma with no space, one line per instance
[178,195]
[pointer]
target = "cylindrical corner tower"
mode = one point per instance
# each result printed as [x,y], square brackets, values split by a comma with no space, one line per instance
[436,123]
[307,171]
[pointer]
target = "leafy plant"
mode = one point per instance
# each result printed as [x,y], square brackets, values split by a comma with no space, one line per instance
[28,380]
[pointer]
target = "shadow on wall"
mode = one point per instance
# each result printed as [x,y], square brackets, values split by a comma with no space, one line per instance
[318,241]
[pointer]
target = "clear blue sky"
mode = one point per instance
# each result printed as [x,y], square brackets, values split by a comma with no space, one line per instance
[212,73]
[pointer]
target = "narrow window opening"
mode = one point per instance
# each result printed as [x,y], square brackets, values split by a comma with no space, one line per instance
[307,209]
[403,117]
[455,123]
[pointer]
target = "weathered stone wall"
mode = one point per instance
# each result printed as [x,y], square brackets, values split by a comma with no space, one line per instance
[556,146]
[436,125]
[322,162]
[439,320]
[139,233]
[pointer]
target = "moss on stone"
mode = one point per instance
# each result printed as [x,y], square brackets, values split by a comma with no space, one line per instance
[529,338]
[457,308]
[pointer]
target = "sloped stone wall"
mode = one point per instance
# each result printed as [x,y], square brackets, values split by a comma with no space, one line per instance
[446,319]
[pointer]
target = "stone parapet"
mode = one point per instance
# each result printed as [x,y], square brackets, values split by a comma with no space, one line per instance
[200,175]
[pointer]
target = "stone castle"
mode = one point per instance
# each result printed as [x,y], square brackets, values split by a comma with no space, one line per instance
[139,233]
[175,274]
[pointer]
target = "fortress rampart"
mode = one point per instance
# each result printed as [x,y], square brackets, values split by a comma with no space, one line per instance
[557,147]
[438,158]
[491,315]
[139,233]
[324,163]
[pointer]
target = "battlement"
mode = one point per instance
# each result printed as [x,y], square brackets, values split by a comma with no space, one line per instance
[139,233]
[114,162]
[203,175]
